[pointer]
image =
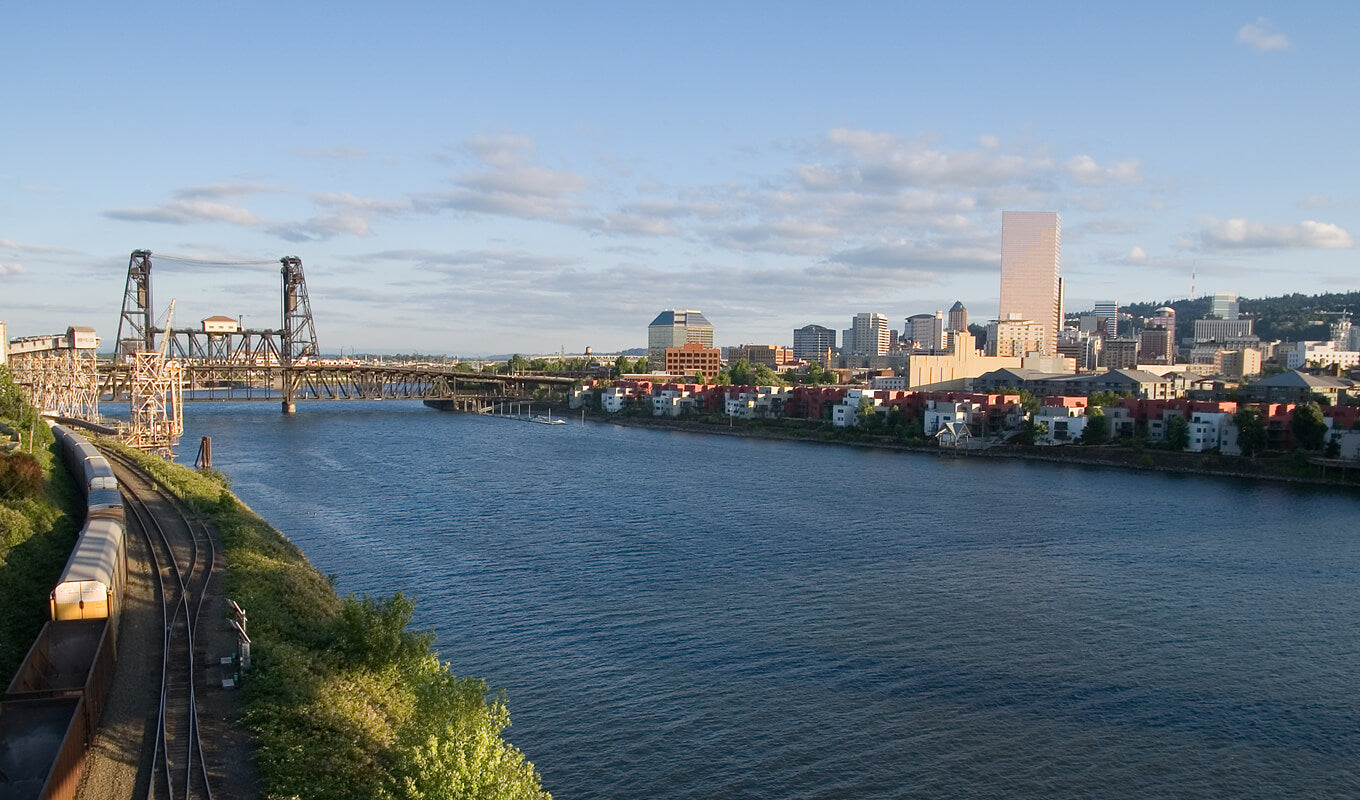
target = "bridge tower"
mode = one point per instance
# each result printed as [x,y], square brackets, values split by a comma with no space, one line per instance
[299,331]
[138,318]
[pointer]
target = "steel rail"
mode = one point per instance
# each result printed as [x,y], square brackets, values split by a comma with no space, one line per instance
[182,594]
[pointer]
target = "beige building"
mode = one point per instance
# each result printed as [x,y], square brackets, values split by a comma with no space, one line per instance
[221,324]
[770,355]
[1031,244]
[1014,337]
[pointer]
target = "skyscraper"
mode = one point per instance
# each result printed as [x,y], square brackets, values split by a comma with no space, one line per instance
[868,335]
[811,342]
[675,328]
[958,317]
[1108,310]
[1031,243]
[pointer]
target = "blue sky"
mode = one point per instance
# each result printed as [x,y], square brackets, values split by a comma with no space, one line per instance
[528,177]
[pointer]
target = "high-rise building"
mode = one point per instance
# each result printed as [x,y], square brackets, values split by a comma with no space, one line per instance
[811,342]
[1108,310]
[1015,337]
[1224,306]
[1031,243]
[1165,318]
[1157,345]
[676,328]
[958,317]
[925,331]
[868,335]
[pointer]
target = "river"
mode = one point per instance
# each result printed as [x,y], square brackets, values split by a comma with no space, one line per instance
[678,615]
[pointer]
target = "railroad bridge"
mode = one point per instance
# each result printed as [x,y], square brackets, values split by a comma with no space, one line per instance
[228,362]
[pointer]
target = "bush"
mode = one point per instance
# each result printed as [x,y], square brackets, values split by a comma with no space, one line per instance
[21,476]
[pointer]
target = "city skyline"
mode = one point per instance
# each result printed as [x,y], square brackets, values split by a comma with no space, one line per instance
[471,180]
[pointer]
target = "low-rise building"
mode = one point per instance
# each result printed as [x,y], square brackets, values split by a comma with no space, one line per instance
[692,358]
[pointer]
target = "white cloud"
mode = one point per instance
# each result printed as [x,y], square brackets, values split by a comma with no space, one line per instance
[1084,170]
[1137,255]
[11,269]
[1315,201]
[42,249]
[1262,36]
[186,212]
[1243,234]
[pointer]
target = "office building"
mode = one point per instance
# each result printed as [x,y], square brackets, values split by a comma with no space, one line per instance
[958,317]
[868,335]
[1031,243]
[1015,337]
[693,358]
[1157,345]
[1108,312]
[675,328]
[925,332]
[811,343]
[1223,306]
[770,355]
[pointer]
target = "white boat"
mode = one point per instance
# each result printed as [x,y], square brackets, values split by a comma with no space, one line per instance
[548,420]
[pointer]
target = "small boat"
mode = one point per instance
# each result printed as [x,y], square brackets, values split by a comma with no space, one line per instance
[548,420]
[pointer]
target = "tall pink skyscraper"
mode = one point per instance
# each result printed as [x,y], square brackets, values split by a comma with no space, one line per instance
[1031,242]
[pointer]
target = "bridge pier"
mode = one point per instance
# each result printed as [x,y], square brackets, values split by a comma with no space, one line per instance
[289,407]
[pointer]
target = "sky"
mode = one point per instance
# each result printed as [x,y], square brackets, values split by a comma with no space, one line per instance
[537,177]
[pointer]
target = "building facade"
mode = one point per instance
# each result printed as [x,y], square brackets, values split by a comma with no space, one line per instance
[1016,337]
[868,335]
[674,328]
[958,317]
[1031,244]
[811,343]
[926,331]
[1224,306]
[693,358]
[770,355]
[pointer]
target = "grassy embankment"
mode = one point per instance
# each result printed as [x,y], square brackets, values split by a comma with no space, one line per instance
[40,516]
[344,700]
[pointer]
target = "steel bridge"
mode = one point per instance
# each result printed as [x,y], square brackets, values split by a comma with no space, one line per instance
[323,380]
[227,362]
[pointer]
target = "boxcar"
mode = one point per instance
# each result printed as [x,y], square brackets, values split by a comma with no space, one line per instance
[91,585]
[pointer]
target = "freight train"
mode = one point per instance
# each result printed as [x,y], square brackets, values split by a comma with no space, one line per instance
[51,709]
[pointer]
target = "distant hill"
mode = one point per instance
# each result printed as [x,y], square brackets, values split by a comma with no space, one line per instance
[1291,318]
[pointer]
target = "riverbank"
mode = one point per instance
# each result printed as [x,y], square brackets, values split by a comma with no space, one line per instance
[342,698]
[1280,467]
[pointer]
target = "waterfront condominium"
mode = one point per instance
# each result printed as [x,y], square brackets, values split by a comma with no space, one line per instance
[1031,242]
[676,328]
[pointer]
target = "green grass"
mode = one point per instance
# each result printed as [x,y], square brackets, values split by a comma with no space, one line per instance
[344,700]
[37,534]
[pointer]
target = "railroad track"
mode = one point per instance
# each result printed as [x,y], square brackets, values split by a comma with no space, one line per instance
[182,556]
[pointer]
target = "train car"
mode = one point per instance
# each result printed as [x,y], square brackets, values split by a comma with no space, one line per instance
[91,584]
[104,504]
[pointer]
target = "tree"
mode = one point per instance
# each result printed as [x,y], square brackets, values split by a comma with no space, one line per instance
[867,417]
[517,363]
[1309,426]
[740,372]
[1177,433]
[1251,430]
[1097,427]
[764,376]
[1333,449]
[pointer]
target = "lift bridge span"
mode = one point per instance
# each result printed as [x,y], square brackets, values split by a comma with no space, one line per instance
[284,364]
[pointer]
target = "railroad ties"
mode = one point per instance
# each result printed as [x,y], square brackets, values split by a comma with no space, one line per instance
[182,557]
